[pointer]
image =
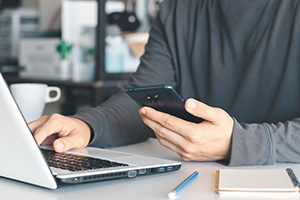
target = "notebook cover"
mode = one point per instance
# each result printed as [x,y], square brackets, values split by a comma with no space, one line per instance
[256,181]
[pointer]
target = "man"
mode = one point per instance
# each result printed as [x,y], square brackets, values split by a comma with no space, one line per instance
[236,61]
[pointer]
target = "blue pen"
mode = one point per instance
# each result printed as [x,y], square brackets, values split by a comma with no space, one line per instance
[176,190]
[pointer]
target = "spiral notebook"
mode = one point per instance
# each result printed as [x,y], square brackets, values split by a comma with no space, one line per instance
[261,181]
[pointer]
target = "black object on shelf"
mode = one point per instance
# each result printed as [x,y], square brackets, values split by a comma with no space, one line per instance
[100,72]
[9,4]
[127,21]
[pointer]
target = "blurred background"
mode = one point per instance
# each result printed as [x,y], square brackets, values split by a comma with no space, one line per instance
[86,47]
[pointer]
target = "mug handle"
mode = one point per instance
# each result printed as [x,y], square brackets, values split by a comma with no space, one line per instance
[50,99]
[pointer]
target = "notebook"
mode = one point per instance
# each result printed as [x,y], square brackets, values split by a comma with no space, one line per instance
[257,181]
[23,160]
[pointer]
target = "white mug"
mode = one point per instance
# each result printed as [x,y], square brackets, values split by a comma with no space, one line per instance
[31,98]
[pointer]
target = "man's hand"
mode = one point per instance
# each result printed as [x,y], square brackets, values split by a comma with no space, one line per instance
[206,141]
[64,132]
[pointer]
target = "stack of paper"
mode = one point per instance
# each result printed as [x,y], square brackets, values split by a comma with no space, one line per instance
[275,181]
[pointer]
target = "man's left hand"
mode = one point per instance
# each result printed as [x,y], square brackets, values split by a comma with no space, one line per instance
[206,141]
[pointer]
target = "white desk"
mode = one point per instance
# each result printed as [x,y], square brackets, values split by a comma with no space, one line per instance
[150,187]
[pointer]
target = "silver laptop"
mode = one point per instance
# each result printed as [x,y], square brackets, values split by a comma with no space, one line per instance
[23,160]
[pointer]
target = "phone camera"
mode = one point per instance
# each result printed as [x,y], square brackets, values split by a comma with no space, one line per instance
[154,98]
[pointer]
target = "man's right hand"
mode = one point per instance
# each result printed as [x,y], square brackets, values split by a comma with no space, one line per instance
[63,132]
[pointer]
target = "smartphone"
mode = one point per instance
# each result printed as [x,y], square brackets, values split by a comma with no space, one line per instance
[163,98]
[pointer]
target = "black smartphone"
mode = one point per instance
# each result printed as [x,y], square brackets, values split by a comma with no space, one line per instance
[163,98]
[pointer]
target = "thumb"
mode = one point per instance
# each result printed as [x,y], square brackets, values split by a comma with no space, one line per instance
[202,110]
[68,142]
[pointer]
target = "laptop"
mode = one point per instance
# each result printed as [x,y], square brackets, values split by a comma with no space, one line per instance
[23,160]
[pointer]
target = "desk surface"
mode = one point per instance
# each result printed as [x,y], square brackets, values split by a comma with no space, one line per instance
[149,187]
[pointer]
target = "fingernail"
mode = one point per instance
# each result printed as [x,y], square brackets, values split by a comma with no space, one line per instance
[143,111]
[191,105]
[59,147]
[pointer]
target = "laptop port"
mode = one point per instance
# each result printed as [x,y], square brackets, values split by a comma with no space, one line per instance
[170,168]
[132,174]
[142,171]
[153,170]
[161,169]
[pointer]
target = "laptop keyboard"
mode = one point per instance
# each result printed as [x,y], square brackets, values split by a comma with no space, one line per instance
[76,162]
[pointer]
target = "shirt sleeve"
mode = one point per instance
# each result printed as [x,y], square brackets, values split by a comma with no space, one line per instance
[117,121]
[265,144]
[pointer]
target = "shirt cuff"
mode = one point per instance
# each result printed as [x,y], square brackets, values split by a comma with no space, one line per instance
[252,144]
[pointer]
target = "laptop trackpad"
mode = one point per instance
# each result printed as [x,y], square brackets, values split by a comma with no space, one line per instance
[98,152]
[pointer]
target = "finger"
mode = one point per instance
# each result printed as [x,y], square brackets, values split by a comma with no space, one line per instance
[202,110]
[170,145]
[69,142]
[169,139]
[35,124]
[162,132]
[170,122]
[165,134]
[50,126]
[49,140]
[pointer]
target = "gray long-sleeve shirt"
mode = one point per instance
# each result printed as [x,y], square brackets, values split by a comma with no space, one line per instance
[241,56]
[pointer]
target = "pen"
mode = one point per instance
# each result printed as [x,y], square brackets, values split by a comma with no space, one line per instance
[176,190]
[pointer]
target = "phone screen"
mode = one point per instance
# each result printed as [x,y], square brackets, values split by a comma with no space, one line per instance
[163,98]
